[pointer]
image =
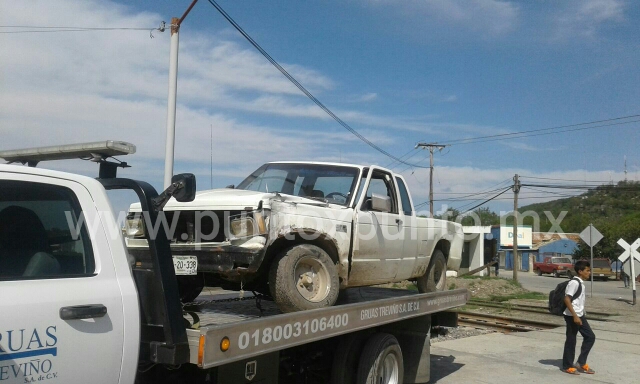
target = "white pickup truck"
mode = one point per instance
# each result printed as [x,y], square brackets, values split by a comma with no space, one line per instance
[301,231]
[75,308]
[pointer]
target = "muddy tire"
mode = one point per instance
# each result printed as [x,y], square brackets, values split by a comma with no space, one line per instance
[303,277]
[381,361]
[539,272]
[435,279]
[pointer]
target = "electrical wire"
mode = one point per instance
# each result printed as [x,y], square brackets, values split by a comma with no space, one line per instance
[303,89]
[522,133]
[549,178]
[66,29]
[486,201]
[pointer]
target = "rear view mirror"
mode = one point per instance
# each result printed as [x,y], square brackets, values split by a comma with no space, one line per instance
[187,191]
[380,203]
[182,188]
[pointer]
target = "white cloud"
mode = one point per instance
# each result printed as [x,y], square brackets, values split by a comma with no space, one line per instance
[83,86]
[585,18]
[369,97]
[488,18]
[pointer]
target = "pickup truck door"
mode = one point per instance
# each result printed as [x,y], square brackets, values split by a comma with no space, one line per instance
[61,309]
[378,242]
[410,259]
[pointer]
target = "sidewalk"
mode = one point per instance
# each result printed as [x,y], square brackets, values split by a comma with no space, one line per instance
[536,357]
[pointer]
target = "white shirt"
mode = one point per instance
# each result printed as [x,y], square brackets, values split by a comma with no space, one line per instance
[578,302]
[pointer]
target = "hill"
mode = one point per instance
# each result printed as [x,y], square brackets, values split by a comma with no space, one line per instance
[613,209]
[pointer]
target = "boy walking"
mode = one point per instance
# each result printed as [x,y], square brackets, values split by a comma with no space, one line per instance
[576,321]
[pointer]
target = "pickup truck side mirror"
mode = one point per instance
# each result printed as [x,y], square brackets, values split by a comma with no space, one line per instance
[380,203]
[182,188]
[188,191]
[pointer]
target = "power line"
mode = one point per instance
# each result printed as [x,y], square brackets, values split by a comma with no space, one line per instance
[38,29]
[486,201]
[303,89]
[545,129]
[549,178]
[469,194]
[505,135]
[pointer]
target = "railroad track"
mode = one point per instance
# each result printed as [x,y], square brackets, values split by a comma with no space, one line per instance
[501,323]
[599,316]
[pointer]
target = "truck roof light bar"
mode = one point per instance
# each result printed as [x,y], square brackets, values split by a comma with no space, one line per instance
[97,151]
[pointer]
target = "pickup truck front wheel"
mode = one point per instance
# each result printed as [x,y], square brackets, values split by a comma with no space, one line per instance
[303,277]
[435,278]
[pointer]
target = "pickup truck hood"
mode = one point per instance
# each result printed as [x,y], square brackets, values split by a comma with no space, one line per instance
[230,199]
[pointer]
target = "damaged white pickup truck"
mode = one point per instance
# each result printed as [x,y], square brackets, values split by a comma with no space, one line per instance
[301,231]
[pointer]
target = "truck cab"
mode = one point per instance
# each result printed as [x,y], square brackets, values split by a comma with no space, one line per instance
[65,289]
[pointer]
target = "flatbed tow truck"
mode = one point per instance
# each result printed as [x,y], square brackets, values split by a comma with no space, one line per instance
[97,316]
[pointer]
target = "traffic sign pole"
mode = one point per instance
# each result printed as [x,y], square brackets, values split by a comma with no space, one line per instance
[591,236]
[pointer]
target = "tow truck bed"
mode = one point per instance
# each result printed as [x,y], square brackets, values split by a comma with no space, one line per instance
[251,333]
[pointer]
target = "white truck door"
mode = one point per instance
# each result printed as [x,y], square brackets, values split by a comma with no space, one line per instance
[61,316]
[410,259]
[377,250]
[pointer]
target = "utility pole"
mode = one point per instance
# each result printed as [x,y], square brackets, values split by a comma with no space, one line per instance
[431,147]
[516,190]
[173,91]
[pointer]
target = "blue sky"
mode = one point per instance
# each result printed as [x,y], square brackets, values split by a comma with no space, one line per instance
[397,72]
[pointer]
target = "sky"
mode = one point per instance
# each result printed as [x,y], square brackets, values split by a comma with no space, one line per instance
[397,72]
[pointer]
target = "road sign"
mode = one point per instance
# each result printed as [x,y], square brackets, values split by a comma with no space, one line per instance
[629,250]
[591,235]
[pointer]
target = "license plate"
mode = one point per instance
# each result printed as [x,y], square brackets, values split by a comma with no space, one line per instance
[601,275]
[185,265]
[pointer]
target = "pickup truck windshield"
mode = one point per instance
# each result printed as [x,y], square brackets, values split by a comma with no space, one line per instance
[561,260]
[330,183]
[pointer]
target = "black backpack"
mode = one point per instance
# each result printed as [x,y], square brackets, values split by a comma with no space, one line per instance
[556,297]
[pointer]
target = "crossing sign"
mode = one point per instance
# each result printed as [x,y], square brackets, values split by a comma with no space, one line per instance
[629,250]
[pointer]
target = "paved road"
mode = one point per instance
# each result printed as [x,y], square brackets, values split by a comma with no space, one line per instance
[610,289]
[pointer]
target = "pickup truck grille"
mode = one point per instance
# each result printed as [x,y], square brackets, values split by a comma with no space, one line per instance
[188,230]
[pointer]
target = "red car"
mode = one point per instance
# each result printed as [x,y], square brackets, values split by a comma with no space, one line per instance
[558,265]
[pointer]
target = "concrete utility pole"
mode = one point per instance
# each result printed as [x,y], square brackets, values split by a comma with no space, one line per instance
[516,190]
[173,91]
[431,147]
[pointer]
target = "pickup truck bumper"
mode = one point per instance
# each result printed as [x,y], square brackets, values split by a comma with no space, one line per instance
[231,262]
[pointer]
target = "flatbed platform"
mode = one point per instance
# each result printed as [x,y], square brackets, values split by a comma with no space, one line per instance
[253,332]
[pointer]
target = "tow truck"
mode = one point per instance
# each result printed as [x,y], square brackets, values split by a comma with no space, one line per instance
[76,308]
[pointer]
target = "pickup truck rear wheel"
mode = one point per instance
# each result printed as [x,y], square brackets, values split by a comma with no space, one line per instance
[539,272]
[435,279]
[303,277]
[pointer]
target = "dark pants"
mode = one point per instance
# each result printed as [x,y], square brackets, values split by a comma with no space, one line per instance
[588,339]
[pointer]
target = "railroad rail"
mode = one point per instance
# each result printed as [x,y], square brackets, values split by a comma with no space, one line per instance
[501,323]
[598,316]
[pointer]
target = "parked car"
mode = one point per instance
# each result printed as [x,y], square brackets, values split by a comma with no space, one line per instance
[558,266]
[601,269]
